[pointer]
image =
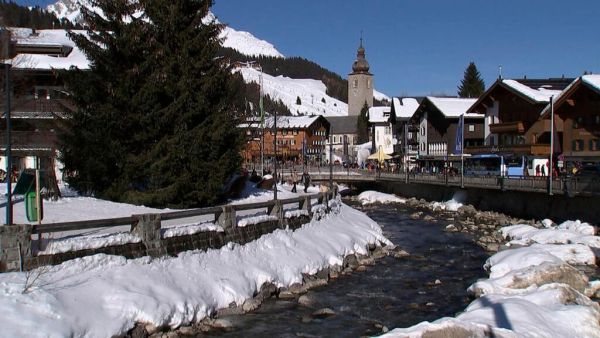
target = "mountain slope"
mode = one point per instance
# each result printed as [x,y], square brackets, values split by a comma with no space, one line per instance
[243,42]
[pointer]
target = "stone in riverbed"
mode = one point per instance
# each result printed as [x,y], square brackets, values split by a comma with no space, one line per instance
[323,313]
[306,301]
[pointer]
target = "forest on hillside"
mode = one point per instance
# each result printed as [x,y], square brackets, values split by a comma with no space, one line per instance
[15,15]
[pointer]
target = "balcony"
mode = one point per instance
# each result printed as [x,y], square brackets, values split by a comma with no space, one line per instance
[519,149]
[30,140]
[516,127]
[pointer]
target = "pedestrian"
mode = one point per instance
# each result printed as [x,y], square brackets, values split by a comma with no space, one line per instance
[306,180]
[294,180]
[537,170]
[543,169]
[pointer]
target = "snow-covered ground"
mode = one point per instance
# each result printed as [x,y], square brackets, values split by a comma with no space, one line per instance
[532,291]
[101,295]
[288,90]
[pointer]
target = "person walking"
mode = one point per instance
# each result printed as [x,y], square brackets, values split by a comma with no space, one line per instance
[306,180]
[294,180]
[543,169]
[537,170]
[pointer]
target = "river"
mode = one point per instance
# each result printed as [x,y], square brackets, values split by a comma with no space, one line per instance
[396,292]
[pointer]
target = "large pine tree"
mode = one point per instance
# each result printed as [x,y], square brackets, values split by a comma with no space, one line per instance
[471,85]
[156,123]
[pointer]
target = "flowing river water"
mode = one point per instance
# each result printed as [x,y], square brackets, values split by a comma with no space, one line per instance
[396,292]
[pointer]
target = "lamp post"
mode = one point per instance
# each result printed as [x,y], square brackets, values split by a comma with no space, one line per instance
[7,67]
[551,145]
[275,154]
[330,161]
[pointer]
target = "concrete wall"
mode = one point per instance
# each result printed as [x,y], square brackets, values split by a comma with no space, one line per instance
[517,204]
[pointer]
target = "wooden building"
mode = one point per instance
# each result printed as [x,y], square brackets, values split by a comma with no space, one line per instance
[39,100]
[512,111]
[438,118]
[296,135]
[577,112]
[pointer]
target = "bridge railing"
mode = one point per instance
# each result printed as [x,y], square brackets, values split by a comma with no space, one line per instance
[560,185]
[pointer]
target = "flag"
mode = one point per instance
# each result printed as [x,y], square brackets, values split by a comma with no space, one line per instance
[460,129]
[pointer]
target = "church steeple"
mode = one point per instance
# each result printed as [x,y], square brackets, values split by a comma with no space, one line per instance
[360,83]
[360,65]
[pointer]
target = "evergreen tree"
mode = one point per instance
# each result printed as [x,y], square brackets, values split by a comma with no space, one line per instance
[298,101]
[472,85]
[362,125]
[157,121]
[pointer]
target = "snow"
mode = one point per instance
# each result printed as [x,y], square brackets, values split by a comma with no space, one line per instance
[405,107]
[48,37]
[453,107]
[592,80]
[378,114]
[451,205]
[379,96]
[255,220]
[311,93]
[190,229]
[539,95]
[513,305]
[243,42]
[87,242]
[371,197]
[102,296]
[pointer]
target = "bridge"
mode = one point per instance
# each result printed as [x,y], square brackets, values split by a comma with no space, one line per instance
[567,186]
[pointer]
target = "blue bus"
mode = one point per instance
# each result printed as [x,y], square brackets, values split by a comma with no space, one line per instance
[495,165]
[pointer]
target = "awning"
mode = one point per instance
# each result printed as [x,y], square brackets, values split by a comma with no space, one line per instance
[380,156]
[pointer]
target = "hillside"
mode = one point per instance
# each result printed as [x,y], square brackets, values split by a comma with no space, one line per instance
[288,80]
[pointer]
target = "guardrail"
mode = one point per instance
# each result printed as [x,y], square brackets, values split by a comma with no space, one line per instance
[17,252]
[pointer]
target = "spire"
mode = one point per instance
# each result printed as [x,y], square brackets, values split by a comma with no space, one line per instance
[361,65]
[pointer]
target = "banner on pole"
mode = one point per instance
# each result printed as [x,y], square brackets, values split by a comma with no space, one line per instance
[460,129]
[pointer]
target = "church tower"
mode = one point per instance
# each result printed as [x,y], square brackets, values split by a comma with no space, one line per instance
[360,84]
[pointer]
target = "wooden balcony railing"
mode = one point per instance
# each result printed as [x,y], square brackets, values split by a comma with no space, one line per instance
[516,127]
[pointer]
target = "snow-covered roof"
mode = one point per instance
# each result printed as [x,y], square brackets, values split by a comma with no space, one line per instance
[539,95]
[48,37]
[591,80]
[405,107]
[453,107]
[379,114]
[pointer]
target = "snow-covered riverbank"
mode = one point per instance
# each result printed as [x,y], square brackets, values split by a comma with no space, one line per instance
[533,289]
[102,296]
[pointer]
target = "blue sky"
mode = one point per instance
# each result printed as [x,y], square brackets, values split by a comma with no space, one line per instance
[423,47]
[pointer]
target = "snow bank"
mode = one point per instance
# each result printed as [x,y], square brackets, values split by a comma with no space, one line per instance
[532,291]
[87,242]
[103,296]
[371,197]
[190,229]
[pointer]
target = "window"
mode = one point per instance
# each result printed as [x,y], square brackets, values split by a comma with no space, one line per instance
[577,145]
[471,127]
[595,145]
[293,142]
[295,131]
[355,83]
[284,132]
[369,83]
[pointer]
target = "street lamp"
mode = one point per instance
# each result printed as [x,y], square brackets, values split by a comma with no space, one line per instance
[7,66]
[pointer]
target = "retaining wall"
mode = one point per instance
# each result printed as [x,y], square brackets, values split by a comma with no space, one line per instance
[525,205]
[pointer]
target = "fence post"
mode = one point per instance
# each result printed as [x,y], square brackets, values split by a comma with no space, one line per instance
[305,204]
[16,246]
[147,227]
[226,218]
[276,210]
